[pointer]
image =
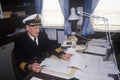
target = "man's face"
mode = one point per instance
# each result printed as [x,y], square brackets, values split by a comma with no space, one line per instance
[33,31]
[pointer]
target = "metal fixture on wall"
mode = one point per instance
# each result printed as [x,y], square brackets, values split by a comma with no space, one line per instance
[73,18]
[105,21]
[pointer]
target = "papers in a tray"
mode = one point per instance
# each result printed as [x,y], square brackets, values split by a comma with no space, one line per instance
[97,46]
[96,50]
[98,42]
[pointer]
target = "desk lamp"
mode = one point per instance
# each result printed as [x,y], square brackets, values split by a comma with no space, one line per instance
[105,20]
[73,18]
[73,15]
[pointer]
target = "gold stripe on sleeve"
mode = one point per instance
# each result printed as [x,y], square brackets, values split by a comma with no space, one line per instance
[58,50]
[22,65]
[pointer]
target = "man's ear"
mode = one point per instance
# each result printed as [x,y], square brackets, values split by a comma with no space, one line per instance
[27,28]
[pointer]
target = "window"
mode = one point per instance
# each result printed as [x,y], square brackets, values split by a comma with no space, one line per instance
[109,9]
[52,16]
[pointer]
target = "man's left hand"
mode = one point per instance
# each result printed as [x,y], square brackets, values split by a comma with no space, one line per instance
[66,57]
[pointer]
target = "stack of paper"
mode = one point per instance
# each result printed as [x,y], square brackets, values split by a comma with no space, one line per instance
[55,65]
[77,61]
[98,42]
[96,50]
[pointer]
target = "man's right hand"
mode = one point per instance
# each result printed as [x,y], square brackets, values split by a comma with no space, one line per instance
[35,67]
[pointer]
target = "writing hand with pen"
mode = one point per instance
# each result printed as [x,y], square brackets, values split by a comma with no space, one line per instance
[35,67]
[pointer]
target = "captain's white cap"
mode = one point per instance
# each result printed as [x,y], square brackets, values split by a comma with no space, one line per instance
[32,20]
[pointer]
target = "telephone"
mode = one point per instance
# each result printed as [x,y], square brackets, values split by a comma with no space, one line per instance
[72,38]
[71,41]
[68,44]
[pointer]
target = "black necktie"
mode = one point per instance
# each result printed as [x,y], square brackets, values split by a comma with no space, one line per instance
[35,41]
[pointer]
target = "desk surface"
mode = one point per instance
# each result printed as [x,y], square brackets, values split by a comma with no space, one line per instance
[108,57]
[42,76]
[50,77]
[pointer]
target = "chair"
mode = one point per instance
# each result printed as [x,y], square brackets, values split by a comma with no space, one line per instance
[17,73]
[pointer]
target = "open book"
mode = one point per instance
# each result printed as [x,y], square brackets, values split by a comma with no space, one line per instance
[58,65]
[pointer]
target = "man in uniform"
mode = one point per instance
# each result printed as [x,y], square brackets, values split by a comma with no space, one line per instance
[31,47]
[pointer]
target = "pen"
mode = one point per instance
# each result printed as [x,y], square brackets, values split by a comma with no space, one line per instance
[43,66]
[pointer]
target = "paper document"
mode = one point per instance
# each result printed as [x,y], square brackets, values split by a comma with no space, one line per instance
[94,65]
[55,65]
[57,74]
[35,78]
[77,61]
[71,51]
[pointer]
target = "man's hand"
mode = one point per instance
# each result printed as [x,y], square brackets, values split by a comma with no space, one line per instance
[35,67]
[66,57]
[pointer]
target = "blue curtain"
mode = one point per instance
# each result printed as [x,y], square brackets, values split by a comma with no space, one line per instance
[67,27]
[38,7]
[65,9]
[89,6]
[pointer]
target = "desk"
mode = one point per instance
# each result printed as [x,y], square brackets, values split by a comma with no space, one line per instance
[43,76]
[50,77]
[109,57]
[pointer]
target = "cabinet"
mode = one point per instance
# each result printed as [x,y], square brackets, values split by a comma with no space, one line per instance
[6,68]
[19,7]
[13,12]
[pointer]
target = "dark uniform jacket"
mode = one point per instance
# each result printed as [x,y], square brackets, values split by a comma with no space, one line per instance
[27,52]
